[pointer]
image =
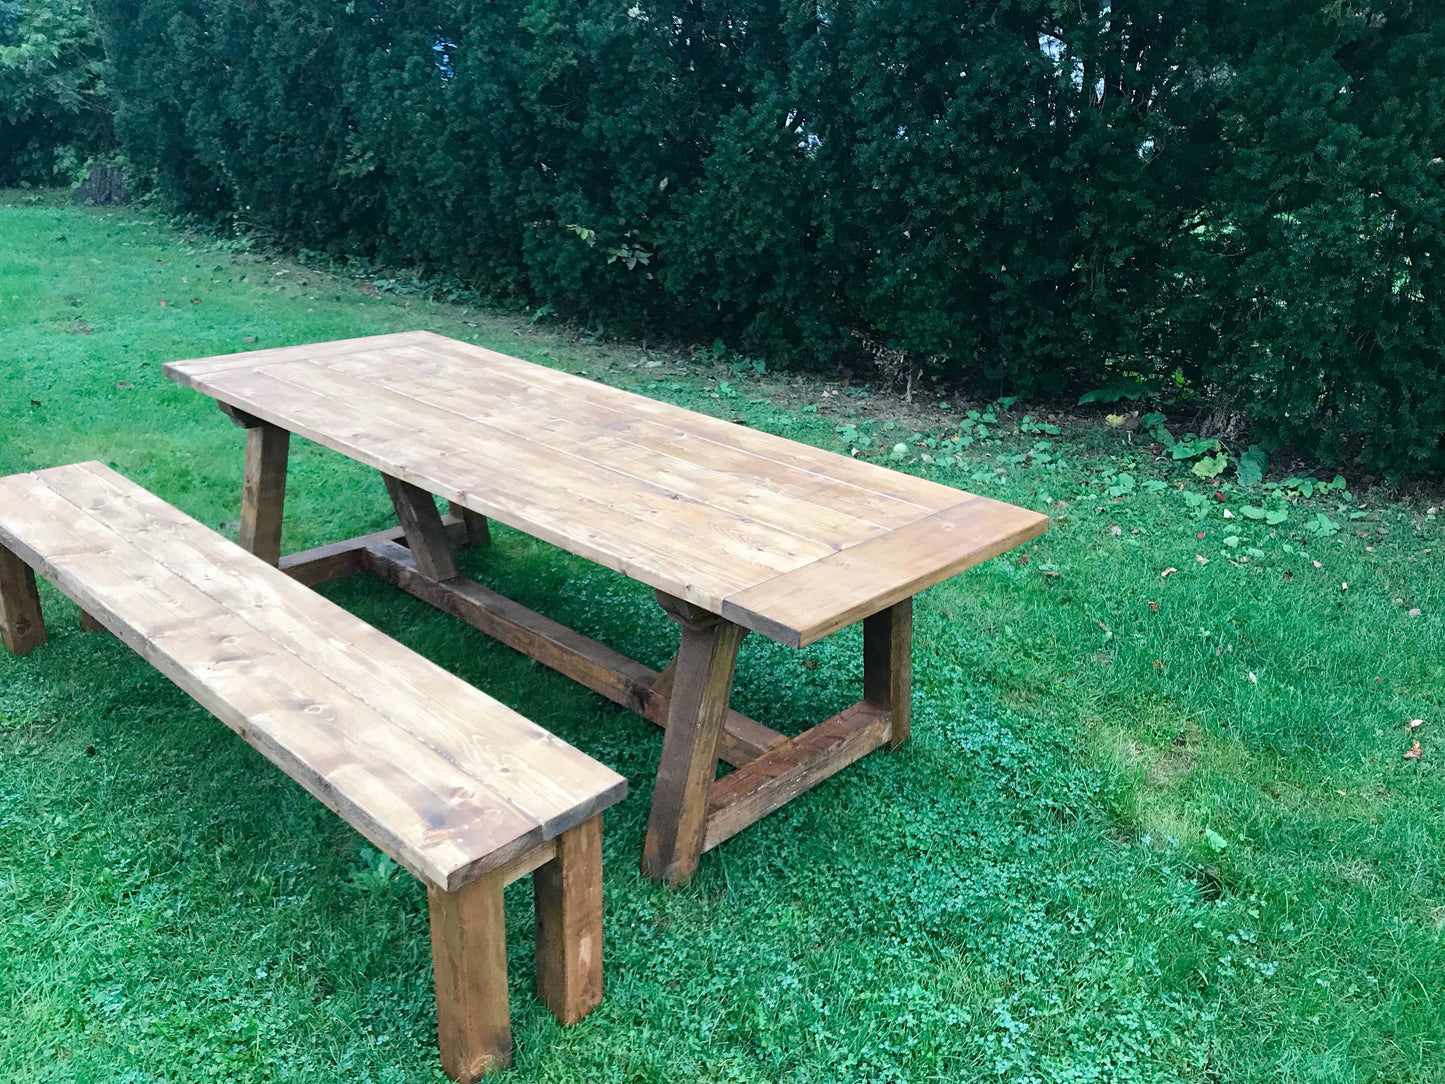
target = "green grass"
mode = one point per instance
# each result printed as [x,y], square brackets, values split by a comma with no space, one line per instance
[1123,844]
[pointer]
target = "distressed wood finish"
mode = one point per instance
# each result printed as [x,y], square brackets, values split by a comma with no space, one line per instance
[888,667]
[438,775]
[263,491]
[568,894]
[22,628]
[706,660]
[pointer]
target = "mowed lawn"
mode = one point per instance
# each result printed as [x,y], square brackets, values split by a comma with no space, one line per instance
[1150,827]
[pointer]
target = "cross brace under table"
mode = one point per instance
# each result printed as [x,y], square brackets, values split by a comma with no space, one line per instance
[692,810]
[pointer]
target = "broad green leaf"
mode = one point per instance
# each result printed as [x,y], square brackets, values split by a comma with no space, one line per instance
[1251,467]
[1211,466]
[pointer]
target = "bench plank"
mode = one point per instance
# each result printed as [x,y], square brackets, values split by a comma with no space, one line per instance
[440,776]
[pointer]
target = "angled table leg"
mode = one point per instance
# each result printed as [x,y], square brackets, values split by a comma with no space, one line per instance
[478,533]
[426,535]
[263,493]
[702,682]
[888,666]
[22,629]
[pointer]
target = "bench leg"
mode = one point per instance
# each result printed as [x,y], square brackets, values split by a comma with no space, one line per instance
[702,682]
[263,492]
[888,666]
[469,961]
[22,629]
[90,624]
[568,893]
[426,535]
[477,531]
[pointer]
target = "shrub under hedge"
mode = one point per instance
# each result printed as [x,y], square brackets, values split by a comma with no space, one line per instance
[54,103]
[1239,200]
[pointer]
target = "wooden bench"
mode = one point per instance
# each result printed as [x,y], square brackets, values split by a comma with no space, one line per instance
[460,790]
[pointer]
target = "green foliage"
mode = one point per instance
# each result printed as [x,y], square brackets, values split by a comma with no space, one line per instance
[1212,198]
[1251,466]
[55,110]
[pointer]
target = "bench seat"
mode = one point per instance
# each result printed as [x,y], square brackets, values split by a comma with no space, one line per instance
[456,787]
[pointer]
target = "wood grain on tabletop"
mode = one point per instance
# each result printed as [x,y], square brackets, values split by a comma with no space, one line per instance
[780,537]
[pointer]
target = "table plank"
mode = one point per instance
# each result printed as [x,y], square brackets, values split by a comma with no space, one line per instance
[649,466]
[619,536]
[800,607]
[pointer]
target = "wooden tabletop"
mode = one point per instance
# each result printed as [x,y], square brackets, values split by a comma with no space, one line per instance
[779,537]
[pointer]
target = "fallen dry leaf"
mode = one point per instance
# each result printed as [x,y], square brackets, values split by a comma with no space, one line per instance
[1414,724]
[1415,611]
[1345,586]
[1253,678]
[1154,606]
[1340,793]
[1203,560]
[1228,514]
[1166,572]
[1415,752]
[1317,564]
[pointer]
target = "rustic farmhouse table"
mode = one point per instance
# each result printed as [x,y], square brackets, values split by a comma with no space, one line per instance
[736,530]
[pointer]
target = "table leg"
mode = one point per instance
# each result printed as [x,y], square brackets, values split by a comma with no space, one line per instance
[426,535]
[475,524]
[22,628]
[888,666]
[263,493]
[703,681]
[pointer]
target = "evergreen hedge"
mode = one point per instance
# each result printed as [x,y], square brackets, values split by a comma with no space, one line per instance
[1241,201]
